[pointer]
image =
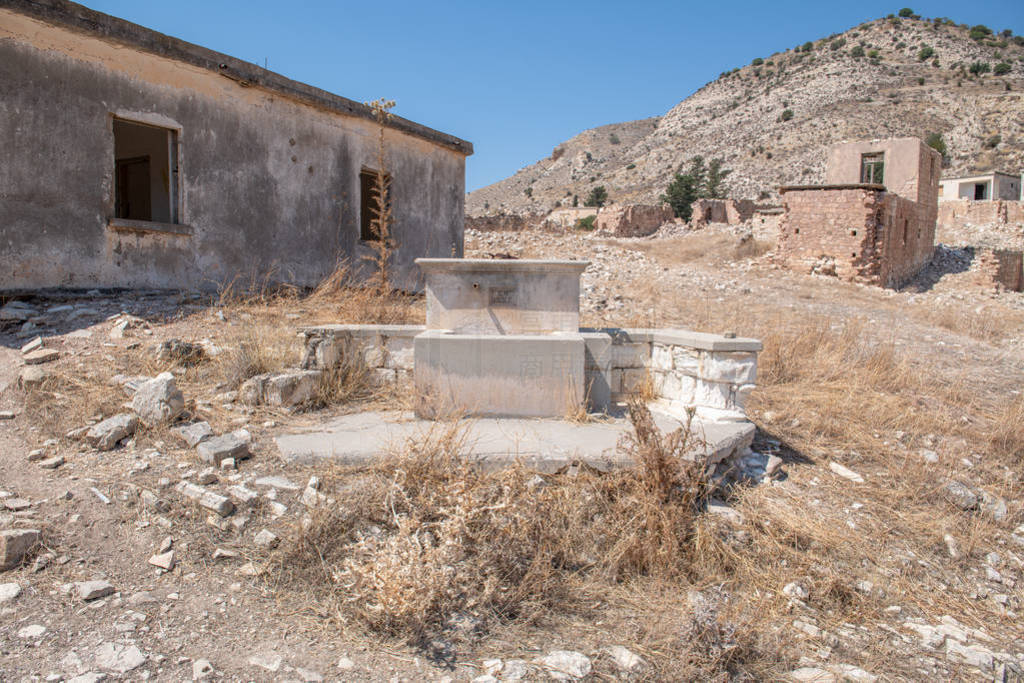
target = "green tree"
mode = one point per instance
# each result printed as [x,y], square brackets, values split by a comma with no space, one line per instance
[714,185]
[597,197]
[906,12]
[685,189]
[978,68]
[936,142]
[979,32]
[925,52]
[1001,68]
[857,52]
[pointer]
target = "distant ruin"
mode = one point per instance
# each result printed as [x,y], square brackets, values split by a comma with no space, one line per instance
[873,221]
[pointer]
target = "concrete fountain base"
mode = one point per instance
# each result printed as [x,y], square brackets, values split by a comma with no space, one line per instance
[546,445]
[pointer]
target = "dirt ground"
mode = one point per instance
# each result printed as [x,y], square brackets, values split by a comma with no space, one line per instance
[821,574]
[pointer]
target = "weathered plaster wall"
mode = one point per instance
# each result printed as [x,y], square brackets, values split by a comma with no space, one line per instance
[911,167]
[269,184]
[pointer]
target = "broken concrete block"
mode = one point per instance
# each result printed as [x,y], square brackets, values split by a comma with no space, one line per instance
[107,434]
[93,590]
[217,448]
[207,476]
[40,356]
[207,499]
[15,545]
[287,389]
[960,495]
[193,434]
[159,400]
[243,494]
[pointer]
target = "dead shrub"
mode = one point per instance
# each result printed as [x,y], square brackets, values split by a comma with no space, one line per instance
[260,349]
[1006,437]
[425,535]
[349,379]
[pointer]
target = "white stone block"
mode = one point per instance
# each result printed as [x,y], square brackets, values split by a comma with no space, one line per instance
[686,360]
[713,395]
[743,394]
[401,353]
[634,380]
[737,368]
[661,357]
[374,356]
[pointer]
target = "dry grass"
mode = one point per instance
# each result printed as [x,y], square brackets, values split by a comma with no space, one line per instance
[988,323]
[709,247]
[425,537]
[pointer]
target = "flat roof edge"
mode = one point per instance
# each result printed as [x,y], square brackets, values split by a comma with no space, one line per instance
[84,20]
[841,186]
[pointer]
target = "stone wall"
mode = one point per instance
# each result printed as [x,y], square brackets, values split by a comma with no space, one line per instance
[633,220]
[999,269]
[502,221]
[958,213]
[857,232]
[677,369]
[730,211]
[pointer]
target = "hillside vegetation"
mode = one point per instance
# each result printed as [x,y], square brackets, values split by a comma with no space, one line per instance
[771,120]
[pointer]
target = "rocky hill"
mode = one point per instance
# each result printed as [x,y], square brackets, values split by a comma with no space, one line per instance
[771,120]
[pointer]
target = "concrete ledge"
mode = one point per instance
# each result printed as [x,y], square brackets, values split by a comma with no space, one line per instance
[694,340]
[362,331]
[151,227]
[499,265]
[543,445]
[848,186]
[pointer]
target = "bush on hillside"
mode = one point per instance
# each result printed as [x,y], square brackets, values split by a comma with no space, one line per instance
[906,12]
[1001,68]
[925,52]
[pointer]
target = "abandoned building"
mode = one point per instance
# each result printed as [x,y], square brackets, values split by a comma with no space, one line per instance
[984,187]
[873,220]
[134,159]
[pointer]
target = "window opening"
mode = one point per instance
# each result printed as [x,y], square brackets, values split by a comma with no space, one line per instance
[145,172]
[872,168]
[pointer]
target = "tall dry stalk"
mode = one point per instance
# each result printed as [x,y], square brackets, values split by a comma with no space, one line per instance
[381,222]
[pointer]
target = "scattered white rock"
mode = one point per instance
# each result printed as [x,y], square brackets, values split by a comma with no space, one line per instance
[31,631]
[625,659]
[845,472]
[164,561]
[193,434]
[271,663]
[217,448]
[119,658]
[15,545]
[93,590]
[266,539]
[9,591]
[566,664]
[346,664]
[202,670]
[795,590]
[207,499]
[107,434]
[159,400]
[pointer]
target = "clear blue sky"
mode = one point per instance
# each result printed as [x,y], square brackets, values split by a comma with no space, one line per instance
[517,78]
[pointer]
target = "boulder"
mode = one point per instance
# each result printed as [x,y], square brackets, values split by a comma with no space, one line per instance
[193,434]
[33,377]
[159,400]
[107,434]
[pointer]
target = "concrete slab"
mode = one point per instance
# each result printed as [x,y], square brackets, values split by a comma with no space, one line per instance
[545,445]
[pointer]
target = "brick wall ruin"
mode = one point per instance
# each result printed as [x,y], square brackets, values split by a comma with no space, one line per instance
[958,213]
[860,231]
[999,269]
[730,211]
[633,220]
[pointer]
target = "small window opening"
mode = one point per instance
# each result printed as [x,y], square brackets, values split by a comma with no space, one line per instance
[872,168]
[145,172]
[853,233]
[369,204]
[797,231]
[906,225]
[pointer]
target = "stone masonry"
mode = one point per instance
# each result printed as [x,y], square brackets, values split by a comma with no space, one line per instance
[876,233]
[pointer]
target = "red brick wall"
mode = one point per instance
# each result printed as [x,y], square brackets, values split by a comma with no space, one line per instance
[998,269]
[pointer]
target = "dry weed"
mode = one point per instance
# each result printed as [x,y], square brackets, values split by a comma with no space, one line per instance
[426,536]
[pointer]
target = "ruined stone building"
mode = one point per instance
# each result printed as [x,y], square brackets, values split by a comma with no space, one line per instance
[134,159]
[872,221]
